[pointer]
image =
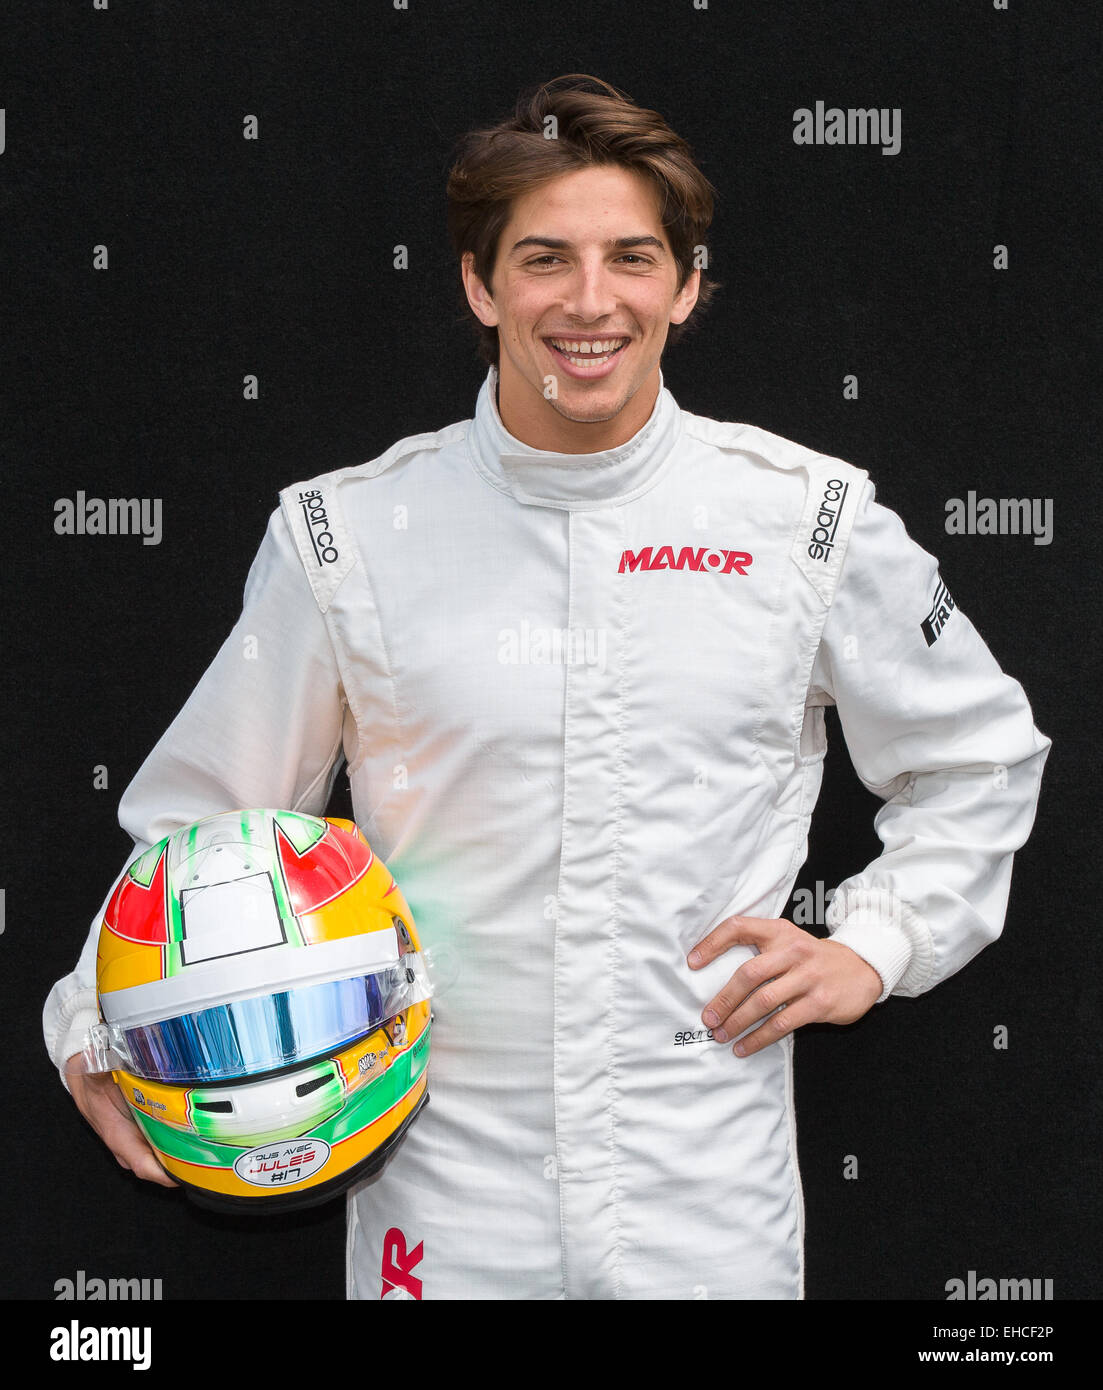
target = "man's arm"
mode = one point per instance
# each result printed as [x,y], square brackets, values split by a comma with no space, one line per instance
[947,740]
[262,728]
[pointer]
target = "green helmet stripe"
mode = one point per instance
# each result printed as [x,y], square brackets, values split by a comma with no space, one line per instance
[304,832]
[143,868]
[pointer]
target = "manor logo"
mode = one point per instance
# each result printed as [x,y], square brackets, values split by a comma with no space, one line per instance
[399,1262]
[663,558]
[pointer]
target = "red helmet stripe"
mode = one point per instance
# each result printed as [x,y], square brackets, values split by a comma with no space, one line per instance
[311,876]
[141,908]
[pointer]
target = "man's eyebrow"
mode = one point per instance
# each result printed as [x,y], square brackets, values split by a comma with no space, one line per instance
[623,243]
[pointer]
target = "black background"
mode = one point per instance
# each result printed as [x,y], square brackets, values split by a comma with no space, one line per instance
[274,257]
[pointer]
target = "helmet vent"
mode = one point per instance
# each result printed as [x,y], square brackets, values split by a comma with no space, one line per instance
[306,1087]
[216,1107]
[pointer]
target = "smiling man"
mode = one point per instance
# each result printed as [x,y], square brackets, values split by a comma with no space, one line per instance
[582,309]
[575,652]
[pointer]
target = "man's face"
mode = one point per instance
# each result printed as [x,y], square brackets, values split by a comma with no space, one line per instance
[585,291]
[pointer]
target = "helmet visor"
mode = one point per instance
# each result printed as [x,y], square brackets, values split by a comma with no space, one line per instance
[248,1037]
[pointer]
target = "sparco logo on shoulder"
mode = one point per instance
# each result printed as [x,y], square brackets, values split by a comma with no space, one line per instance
[822,540]
[663,558]
[317,521]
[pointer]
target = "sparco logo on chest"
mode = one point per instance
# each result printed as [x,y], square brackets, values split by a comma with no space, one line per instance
[686,1036]
[317,520]
[663,558]
[822,540]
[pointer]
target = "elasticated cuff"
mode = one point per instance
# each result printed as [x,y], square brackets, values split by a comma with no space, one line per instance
[65,1025]
[887,934]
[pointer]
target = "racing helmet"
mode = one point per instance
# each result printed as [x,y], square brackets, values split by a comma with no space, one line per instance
[264,1008]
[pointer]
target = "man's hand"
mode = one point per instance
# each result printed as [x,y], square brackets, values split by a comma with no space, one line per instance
[101,1103]
[807,979]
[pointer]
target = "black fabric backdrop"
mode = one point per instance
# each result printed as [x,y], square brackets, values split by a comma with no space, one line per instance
[274,256]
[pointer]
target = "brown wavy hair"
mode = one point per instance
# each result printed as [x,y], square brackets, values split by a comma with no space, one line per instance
[596,125]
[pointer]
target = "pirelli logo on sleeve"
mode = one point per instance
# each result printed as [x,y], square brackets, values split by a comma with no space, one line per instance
[939,615]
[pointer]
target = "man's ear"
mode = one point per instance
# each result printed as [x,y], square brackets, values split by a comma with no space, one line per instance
[478,294]
[686,298]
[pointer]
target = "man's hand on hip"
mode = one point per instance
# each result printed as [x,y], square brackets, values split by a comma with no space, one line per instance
[796,978]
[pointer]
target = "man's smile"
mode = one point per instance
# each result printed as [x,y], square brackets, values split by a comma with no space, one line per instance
[587,357]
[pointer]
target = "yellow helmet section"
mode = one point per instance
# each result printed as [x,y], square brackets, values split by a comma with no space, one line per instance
[370,904]
[121,964]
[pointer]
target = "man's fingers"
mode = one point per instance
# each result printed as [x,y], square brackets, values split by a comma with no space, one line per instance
[744,985]
[733,931]
[786,1019]
[779,987]
[126,1141]
[809,980]
[101,1103]
[737,994]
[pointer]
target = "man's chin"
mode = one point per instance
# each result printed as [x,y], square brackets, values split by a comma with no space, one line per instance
[594,415]
[582,403]
[592,408]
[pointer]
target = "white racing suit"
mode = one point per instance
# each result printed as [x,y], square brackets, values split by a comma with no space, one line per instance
[581,703]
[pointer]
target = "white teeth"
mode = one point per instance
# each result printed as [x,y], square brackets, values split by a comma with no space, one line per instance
[583,348]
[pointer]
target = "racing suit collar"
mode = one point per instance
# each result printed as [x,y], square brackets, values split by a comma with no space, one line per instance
[543,478]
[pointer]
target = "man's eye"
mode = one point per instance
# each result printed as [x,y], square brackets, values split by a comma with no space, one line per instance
[632,257]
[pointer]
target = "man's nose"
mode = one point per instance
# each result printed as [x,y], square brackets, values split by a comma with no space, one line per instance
[590,294]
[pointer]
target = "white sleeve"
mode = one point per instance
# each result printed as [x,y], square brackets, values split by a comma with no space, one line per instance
[262,728]
[945,739]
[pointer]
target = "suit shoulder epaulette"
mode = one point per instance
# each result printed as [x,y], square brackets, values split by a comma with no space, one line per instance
[316,519]
[833,491]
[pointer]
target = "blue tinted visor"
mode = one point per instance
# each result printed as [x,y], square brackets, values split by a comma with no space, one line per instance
[250,1036]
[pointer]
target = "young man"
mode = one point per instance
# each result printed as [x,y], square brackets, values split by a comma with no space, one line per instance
[576,652]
